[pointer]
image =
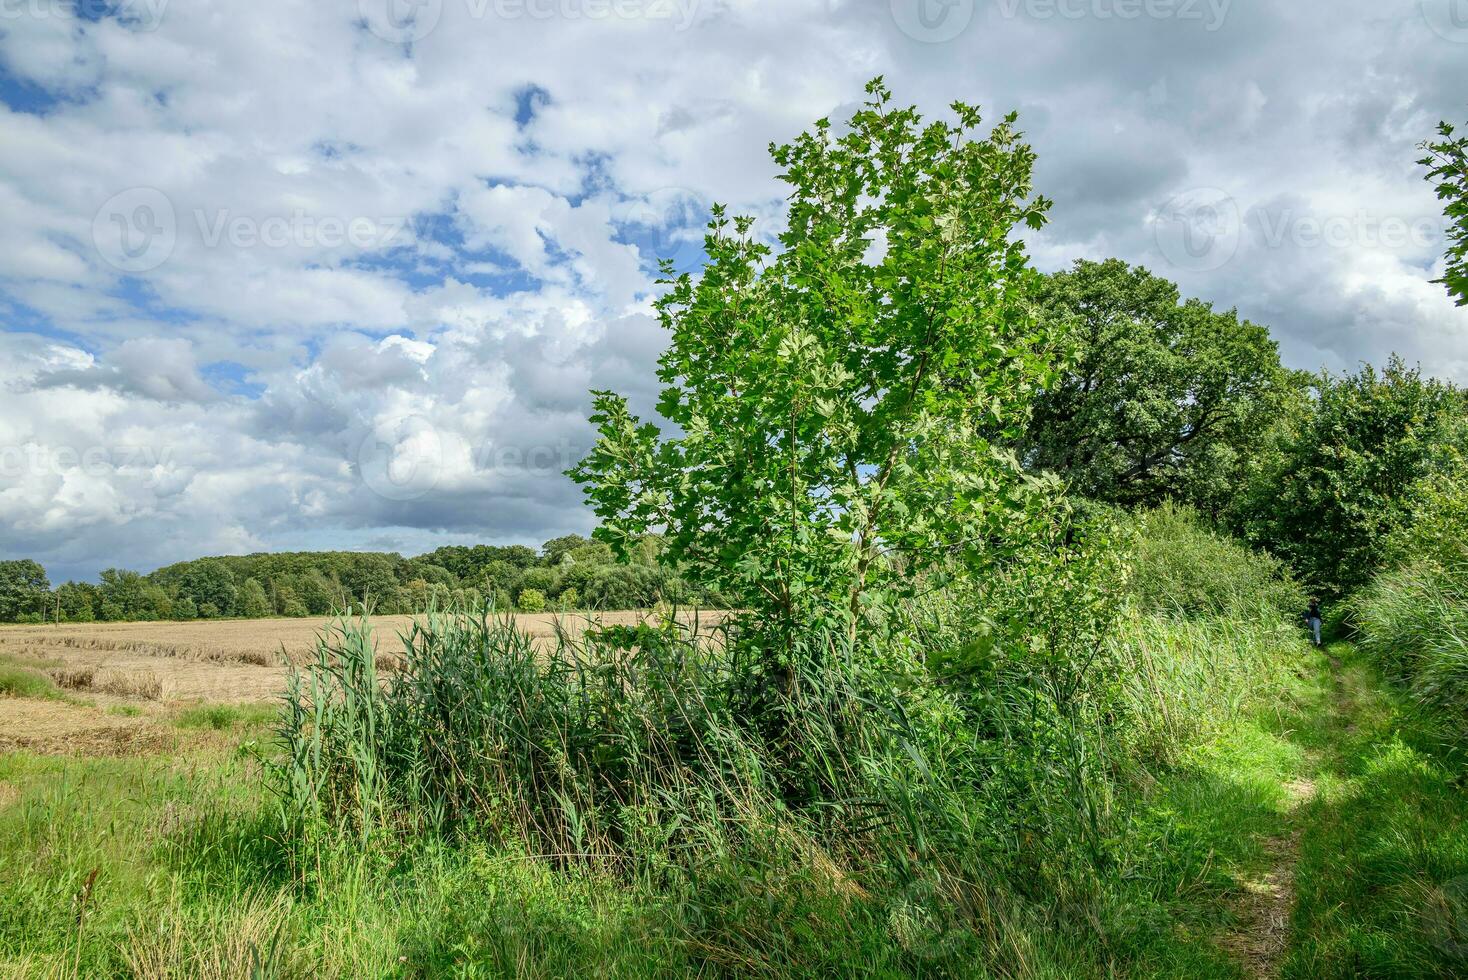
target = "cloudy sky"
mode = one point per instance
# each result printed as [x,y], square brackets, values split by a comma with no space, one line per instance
[284,275]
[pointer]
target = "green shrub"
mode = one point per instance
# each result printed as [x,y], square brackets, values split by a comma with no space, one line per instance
[1413,618]
[1182,567]
[925,772]
[531,601]
[1413,621]
[222,717]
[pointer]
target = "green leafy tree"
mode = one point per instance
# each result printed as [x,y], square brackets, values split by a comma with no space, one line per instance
[252,602]
[285,601]
[78,601]
[1343,479]
[531,601]
[554,551]
[840,402]
[1447,163]
[1160,399]
[544,580]
[122,594]
[317,591]
[24,589]
[209,582]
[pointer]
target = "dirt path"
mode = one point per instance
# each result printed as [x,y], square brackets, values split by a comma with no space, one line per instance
[1262,936]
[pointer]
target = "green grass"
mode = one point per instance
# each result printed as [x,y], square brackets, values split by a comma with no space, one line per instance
[224,717]
[22,682]
[193,877]
[1382,882]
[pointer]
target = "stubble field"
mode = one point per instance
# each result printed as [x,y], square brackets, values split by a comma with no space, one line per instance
[117,688]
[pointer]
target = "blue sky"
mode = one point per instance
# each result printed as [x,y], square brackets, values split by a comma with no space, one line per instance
[287,275]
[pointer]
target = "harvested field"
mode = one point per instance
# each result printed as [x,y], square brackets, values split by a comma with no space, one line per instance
[145,671]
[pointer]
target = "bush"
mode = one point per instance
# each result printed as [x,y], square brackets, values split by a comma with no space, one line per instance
[1414,622]
[1413,618]
[1182,567]
[908,779]
[531,601]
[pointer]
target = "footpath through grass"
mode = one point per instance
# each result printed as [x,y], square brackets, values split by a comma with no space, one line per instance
[1326,837]
[1382,877]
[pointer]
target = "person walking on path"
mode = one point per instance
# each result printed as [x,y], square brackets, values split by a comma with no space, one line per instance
[1312,619]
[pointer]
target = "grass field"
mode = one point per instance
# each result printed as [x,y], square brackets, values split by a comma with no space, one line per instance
[1288,826]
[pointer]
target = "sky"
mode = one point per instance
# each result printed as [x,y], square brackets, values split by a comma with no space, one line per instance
[340,274]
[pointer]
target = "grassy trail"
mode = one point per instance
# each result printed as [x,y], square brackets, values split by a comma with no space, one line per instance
[1363,870]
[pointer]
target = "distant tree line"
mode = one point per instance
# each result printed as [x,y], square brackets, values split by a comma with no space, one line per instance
[568,573]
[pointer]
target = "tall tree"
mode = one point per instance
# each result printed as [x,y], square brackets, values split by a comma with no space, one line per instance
[1343,476]
[840,401]
[23,589]
[1447,163]
[1159,398]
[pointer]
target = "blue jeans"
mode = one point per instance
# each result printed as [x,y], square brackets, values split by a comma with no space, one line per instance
[1315,629]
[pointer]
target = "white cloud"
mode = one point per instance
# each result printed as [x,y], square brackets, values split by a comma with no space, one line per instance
[366,241]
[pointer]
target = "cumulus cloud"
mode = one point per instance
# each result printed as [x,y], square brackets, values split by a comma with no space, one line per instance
[281,276]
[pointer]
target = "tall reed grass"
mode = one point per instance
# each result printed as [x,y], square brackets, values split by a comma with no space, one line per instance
[1413,621]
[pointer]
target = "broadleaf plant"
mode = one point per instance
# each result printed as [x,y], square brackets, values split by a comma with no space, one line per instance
[840,400]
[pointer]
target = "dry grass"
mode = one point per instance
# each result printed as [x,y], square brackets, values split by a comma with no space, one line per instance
[35,967]
[74,678]
[246,941]
[61,728]
[257,642]
[147,685]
